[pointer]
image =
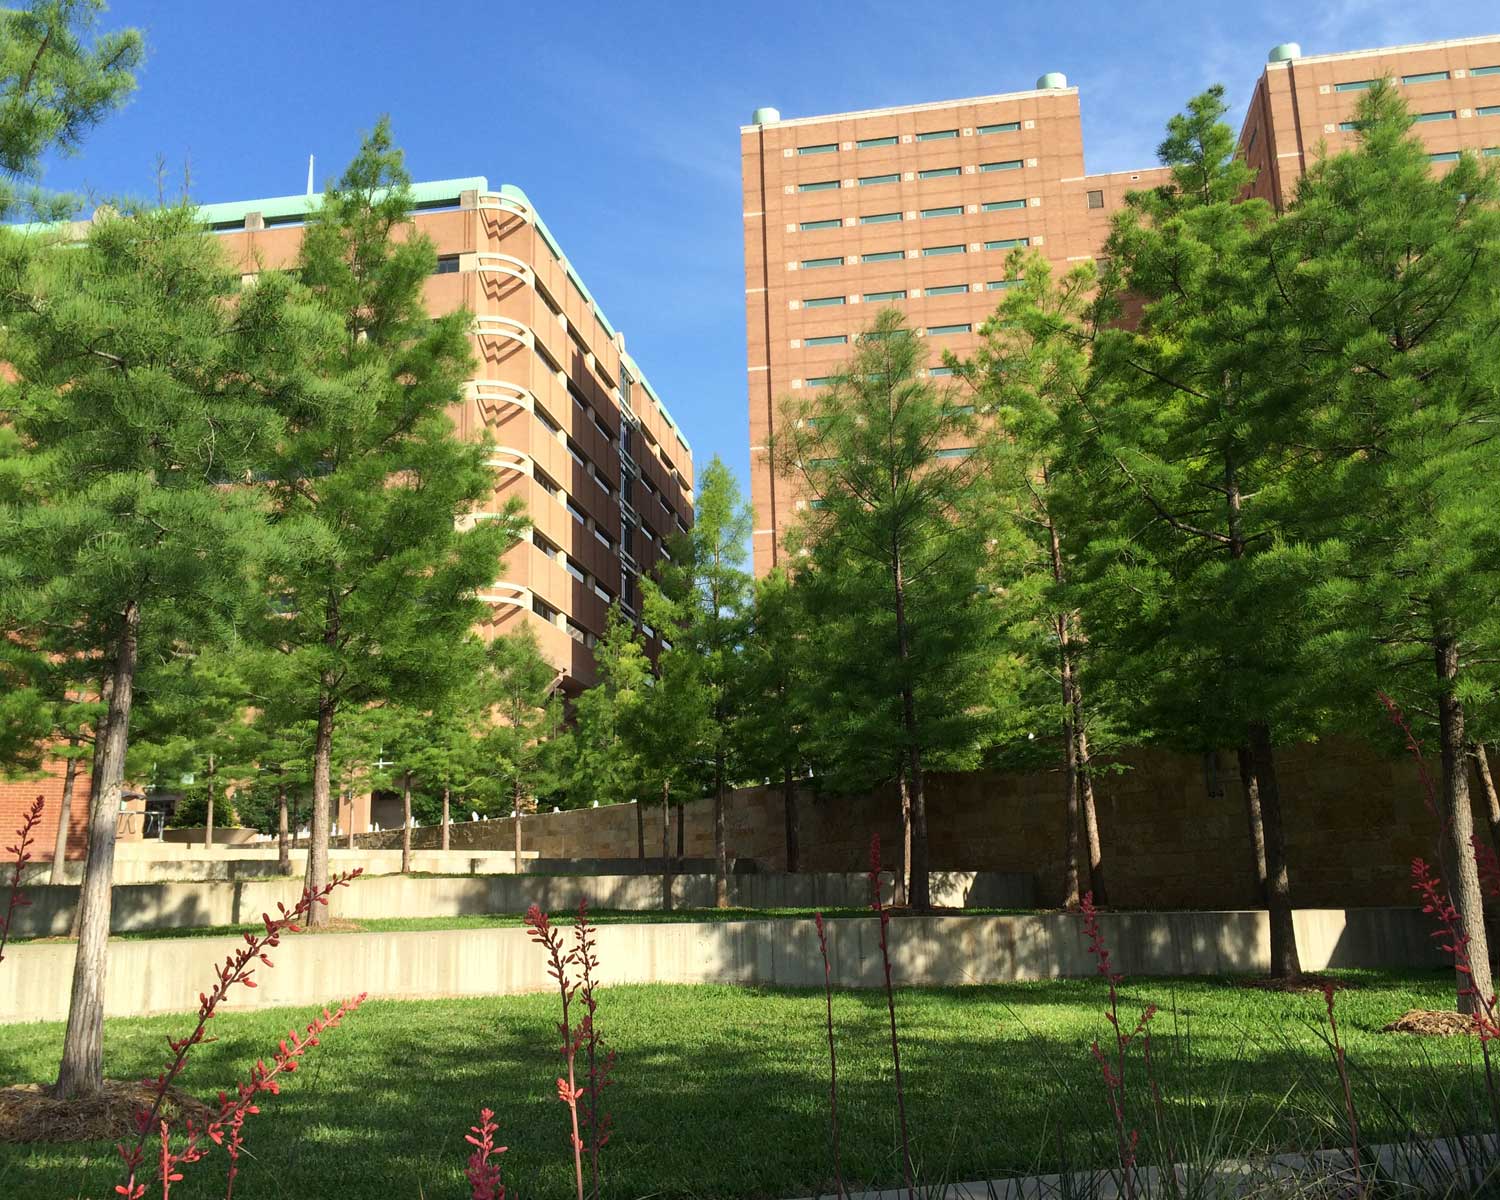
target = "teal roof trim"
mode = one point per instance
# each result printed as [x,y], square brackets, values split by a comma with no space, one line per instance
[424,195]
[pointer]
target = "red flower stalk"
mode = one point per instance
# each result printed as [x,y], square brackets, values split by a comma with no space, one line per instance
[890,1003]
[599,1062]
[543,934]
[1340,1063]
[236,969]
[20,854]
[1452,939]
[482,1174]
[833,1062]
[1112,1071]
[1414,748]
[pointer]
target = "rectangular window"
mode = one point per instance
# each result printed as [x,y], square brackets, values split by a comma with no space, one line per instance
[940,372]
[883,256]
[1447,115]
[823,302]
[832,339]
[879,218]
[809,226]
[823,185]
[575,512]
[1004,205]
[1348,126]
[873,180]
[603,540]
[447,264]
[955,452]
[818,504]
[1484,70]
[872,143]
[1013,164]
[937,135]
[1492,151]
[934,251]
[571,569]
[819,381]
[1354,85]
[949,289]
[1444,156]
[1003,127]
[883,297]
[940,330]
[812,264]
[1425,77]
[1096,198]
[825,148]
[999,285]
[1489,110]
[1007,243]
[950,210]
[940,173]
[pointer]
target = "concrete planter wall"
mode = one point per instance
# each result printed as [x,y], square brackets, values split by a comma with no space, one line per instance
[164,976]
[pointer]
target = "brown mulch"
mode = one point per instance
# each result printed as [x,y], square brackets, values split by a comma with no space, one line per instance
[29,1114]
[1311,982]
[1429,1023]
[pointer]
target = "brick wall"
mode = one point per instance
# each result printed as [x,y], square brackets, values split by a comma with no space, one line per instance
[1173,828]
[16,797]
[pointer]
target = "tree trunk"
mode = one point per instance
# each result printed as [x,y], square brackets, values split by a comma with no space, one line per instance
[1461,869]
[405,822]
[681,832]
[793,822]
[283,842]
[65,813]
[318,823]
[515,808]
[82,1069]
[1487,781]
[348,796]
[92,819]
[899,885]
[666,849]
[919,891]
[1086,804]
[640,830]
[721,841]
[447,820]
[1071,839]
[1285,962]
[1257,827]
[208,823]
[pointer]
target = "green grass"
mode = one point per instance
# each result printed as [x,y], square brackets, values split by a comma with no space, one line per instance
[723,1091]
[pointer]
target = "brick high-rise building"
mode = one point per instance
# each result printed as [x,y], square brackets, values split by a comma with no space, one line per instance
[920,205]
[580,434]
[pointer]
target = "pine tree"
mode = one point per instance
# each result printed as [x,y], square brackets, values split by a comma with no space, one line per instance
[136,400]
[895,552]
[700,602]
[378,503]
[1388,277]
[603,766]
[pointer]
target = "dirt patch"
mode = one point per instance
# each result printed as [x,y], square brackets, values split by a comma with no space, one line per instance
[29,1114]
[1427,1022]
[1297,983]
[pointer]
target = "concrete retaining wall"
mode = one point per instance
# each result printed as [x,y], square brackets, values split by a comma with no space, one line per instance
[148,906]
[166,975]
[156,862]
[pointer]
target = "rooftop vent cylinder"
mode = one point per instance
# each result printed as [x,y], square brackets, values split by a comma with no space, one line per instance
[1051,81]
[765,116]
[1284,52]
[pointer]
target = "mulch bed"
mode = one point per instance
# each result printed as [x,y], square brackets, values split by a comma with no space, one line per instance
[1297,983]
[1426,1022]
[29,1114]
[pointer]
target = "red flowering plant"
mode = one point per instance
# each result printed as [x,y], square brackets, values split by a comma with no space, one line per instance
[890,1003]
[833,1062]
[20,854]
[484,1177]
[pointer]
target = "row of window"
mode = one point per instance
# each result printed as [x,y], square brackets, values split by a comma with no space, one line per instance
[879,256]
[932,135]
[945,289]
[1360,85]
[887,218]
[833,185]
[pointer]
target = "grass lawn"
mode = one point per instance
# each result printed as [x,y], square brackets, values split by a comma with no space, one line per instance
[723,1091]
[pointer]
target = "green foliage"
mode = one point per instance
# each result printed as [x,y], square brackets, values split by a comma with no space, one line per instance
[775,727]
[521,750]
[605,766]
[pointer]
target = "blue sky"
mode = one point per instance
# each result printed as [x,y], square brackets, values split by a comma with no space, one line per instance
[621,121]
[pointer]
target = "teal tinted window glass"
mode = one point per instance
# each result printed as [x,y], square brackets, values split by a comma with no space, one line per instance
[820,504]
[1007,243]
[955,452]
[871,143]
[879,218]
[1489,110]
[826,148]
[937,135]
[832,339]
[883,256]
[832,223]
[872,180]
[1485,70]
[826,185]
[820,381]
[1002,205]
[811,264]
[1354,85]
[1447,115]
[999,285]
[939,330]
[1444,156]
[1348,126]
[948,289]
[1003,127]
[1492,151]
[823,302]
[938,173]
[941,372]
[950,210]
[1013,164]
[1425,77]
[934,251]
[883,297]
